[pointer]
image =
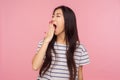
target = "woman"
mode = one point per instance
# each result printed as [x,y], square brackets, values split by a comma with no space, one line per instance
[60,56]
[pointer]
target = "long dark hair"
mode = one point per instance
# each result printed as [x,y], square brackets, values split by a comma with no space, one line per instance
[72,39]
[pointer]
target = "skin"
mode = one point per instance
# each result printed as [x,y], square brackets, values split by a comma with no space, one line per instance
[58,19]
[59,31]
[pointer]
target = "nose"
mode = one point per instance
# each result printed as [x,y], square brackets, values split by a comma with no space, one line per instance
[53,18]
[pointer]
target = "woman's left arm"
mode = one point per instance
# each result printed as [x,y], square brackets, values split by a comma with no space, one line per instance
[80,73]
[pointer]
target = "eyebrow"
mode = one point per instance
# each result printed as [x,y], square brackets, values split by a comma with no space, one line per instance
[57,14]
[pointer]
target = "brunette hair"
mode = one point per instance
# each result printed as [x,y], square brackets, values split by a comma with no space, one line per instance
[72,39]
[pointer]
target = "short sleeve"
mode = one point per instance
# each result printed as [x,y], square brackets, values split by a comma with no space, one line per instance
[84,57]
[39,45]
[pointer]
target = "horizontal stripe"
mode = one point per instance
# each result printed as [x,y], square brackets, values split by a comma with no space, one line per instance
[45,78]
[80,47]
[59,68]
[60,77]
[58,72]
[60,65]
[84,62]
[61,61]
[58,55]
[84,59]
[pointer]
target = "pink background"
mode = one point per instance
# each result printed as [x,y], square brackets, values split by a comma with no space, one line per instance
[23,23]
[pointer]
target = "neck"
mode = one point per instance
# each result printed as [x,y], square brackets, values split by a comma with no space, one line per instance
[61,39]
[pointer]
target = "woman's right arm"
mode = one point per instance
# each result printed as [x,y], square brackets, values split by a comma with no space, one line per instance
[38,57]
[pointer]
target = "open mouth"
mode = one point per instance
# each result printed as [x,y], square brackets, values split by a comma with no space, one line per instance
[55,26]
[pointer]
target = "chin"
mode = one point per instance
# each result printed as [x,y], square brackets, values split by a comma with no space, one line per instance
[56,33]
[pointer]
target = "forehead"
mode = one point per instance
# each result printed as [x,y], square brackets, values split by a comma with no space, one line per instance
[57,12]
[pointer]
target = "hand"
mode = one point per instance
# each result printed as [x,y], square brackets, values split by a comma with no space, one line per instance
[50,33]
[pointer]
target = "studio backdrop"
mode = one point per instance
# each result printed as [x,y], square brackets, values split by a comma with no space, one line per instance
[23,23]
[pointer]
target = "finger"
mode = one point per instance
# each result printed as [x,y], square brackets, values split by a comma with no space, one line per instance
[52,28]
[51,22]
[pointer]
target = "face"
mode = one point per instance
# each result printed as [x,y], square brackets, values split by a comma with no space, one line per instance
[58,21]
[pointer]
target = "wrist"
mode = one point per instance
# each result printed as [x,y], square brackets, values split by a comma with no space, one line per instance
[45,42]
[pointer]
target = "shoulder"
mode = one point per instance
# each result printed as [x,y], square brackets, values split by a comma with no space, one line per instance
[81,47]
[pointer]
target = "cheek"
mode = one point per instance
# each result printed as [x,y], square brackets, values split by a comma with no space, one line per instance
[60,24]
[61,29]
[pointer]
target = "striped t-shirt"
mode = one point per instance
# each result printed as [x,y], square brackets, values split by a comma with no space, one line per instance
[58,69]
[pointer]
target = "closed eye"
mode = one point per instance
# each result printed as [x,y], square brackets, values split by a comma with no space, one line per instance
[58,16]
